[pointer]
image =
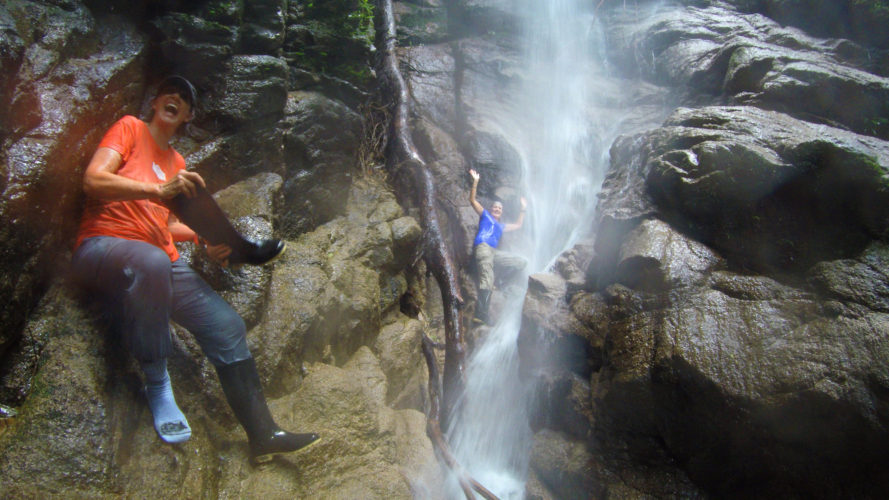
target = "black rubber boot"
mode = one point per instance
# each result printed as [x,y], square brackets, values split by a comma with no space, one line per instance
[243,390]
[202,214]
[481,306]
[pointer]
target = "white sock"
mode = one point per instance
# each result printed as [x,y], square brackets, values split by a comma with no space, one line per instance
[169,421]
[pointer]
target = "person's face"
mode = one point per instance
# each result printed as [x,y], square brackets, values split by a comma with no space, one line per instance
[497,210]
[171,109]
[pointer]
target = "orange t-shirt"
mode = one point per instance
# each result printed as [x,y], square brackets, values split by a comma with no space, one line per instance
[145,161]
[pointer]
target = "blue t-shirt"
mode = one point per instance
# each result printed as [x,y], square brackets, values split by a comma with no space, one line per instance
[489,230]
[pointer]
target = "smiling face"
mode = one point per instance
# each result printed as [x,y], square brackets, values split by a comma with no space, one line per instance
[170,110]
[497,210]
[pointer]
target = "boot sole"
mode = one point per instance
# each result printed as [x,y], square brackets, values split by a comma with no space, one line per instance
[277,255]
[266,458]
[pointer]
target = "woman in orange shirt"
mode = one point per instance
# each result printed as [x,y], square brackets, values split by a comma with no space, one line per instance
[125,252]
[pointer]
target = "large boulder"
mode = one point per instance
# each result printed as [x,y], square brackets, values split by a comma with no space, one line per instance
[330,291]
[770,191]
[253,90]
[321,144]
[73,79]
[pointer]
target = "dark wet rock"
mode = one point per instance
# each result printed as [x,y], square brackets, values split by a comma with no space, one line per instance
[262,31]
[253,89]
[321,140]
[197,45]
[752,60]
[864,21]
[719,360]
[655,258]
[332,40]
[432,84]
[63,426]
[752,364]
[565,399]
[12,48]
[551,337]
[225,159]
[764,189]
[479,18]
[862,280]
[489,153]
[565,467]
[52,136]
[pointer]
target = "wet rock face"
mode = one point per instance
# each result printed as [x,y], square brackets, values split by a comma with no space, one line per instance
[773,193]
[862,21]
[65,77]
[752,60]
[736,294]
[321,140]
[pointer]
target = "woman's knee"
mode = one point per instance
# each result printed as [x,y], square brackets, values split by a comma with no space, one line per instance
[228,343]
[151,260]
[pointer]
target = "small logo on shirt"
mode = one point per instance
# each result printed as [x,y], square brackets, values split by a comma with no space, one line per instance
[158,172]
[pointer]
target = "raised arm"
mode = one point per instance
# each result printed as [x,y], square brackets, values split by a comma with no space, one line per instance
[472,201]
[520,220]
[101,181]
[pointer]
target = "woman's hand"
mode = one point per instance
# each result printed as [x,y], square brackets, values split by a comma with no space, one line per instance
[183,182]
[474,175]
[219,253]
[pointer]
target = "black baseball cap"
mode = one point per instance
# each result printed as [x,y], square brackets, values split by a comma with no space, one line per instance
[178,85]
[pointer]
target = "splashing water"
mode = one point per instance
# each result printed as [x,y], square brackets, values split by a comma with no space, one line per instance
[564,118]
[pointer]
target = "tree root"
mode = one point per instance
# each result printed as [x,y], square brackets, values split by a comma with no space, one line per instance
[412,177]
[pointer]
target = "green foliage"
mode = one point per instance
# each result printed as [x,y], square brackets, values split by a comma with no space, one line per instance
[224,11]
[336,38]
[877,125]
[345,18]
[873,5]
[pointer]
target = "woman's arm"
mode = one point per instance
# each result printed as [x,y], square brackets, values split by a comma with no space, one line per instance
[472,201]
[101,181]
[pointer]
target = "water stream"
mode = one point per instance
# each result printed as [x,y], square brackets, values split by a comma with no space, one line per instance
[559,128]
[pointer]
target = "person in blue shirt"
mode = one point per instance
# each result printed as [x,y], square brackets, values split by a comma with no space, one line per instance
[485,251]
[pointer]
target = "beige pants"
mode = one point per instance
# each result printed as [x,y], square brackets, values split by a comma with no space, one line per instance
[487,258]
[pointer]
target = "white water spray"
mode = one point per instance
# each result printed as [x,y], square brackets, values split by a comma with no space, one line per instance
[563,138]
[562,121]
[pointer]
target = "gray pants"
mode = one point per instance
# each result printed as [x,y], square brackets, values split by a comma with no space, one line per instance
[488,258]
[144,291]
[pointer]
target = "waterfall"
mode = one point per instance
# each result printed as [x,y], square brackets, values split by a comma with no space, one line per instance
[558,126]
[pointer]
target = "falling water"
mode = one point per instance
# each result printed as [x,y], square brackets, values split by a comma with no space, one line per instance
[562,132]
